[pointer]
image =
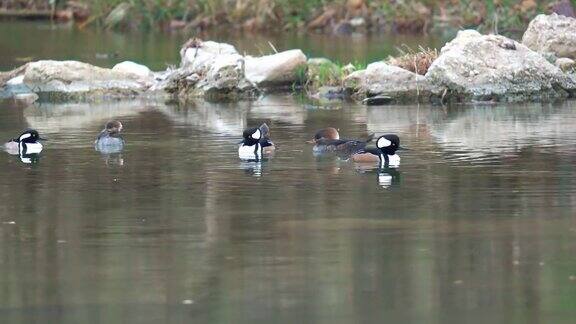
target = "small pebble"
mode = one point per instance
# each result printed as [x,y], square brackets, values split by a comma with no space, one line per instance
[572,278]
[61,241]
[187,302]
[9,223]
[458,282]
[516,262]
[541,263]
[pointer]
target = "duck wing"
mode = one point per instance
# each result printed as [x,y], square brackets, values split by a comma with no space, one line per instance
[104,133]
[330,142]
[371,150]
[265,142]
[349,147]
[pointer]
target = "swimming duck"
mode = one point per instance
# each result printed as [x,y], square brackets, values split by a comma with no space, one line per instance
[110,140]
[256,143]
[26,143]
[384,153]
[328,140]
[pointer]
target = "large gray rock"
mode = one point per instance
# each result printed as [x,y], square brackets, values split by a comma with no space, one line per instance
[385,80]
[493,67]
[211,70]
[280,69]
[225,79]
[15,89]
[141,71]
[200,56]
[565,64]
[77,80]
[552,34]
[12,86]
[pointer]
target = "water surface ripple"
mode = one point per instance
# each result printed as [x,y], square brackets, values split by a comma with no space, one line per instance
[476,226]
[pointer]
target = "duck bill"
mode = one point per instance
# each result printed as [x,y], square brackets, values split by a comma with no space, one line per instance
[42,139]
[402,148]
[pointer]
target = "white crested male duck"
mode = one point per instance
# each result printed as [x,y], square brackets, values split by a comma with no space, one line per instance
[384,153]
[256,143]
[26,143]
[328,140]
[27,146]
[110,140]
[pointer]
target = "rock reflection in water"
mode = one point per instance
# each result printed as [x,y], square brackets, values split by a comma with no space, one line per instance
[480,133]
[62,118]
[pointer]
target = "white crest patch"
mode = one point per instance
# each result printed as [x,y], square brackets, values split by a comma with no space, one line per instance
[25,136]
[383,142]
[256,135]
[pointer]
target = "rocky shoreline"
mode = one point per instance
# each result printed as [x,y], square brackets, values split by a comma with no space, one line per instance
[471,67]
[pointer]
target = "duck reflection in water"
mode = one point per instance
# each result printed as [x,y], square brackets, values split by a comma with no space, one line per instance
[113,159]
[387,177]
[32,158]
[252,168]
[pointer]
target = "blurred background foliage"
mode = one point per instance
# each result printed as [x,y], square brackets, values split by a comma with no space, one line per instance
[340,16]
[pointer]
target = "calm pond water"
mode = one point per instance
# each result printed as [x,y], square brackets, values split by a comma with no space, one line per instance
[476,226]
[24,41]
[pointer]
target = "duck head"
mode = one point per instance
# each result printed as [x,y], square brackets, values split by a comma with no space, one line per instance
[252,136]
[329,133]
[388,144]
[113,127]
[29,136]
